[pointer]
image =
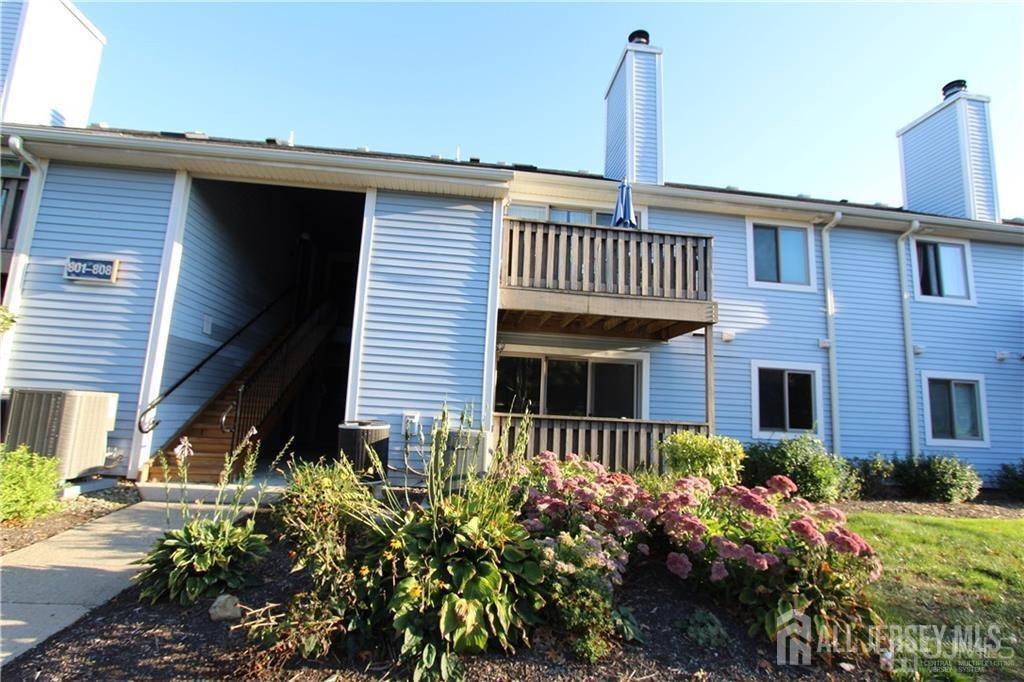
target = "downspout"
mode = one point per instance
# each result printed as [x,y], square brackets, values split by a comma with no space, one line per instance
[830,330]
[908,332]
[17,145]
[22,243]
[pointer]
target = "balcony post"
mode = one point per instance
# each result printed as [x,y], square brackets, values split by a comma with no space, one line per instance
[709,378]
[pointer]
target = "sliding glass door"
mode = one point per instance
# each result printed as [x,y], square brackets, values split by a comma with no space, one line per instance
[568,386]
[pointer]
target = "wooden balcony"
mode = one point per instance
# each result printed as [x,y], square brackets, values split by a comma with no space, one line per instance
[604,281]
[618,444]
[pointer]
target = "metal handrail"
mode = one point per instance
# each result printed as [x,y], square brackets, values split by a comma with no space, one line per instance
[148,427]
[281,361]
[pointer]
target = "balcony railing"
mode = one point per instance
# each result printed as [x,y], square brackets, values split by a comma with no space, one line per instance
[606,260]
[618,444]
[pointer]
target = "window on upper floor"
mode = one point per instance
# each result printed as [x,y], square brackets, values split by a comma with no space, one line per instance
[787,399]
[527,211]
[943,270]
[780,256]
[955,409]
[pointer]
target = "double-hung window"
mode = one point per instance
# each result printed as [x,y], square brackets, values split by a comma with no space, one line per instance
[943,270]
[787,398]
[780,256]
[568,386]
[955,409]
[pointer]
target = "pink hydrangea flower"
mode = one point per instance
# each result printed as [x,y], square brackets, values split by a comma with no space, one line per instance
[806,529]
[718,571]
[848,542]
[832,514]
[696,546]
[679,564]
[782,485]
[533,524]
[643,549]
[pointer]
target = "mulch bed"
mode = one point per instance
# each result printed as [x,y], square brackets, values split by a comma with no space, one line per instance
[126,639]
[14,536]
[988,505]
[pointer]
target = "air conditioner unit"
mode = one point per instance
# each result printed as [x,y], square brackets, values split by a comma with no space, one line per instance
[69,425]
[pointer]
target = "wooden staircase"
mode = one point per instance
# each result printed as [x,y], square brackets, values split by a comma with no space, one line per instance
[210,444]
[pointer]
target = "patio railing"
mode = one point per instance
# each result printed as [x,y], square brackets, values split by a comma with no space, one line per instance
[618,444]
[606,260]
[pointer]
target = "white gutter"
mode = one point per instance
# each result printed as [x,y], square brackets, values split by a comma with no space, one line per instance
[908,335]
[830,330]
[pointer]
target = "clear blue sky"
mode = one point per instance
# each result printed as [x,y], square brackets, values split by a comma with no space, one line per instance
[794,98]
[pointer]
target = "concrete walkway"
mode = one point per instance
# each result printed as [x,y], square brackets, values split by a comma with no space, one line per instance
[49,585]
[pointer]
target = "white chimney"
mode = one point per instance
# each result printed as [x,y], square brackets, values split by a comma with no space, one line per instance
[633,114]
[946,157]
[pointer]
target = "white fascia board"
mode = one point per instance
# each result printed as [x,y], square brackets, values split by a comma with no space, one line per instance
[57,143]
[567,188]
[89,26]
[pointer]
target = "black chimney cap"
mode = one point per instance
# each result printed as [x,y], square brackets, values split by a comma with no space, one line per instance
[640,36]
[953,87]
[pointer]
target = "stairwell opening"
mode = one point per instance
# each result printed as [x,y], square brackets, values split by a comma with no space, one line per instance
[264,309]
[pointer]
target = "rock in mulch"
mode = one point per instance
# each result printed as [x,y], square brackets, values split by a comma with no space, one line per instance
[89,506]
[225,607]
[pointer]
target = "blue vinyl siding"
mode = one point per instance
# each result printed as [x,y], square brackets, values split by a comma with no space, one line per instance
[645,117]
[616,159]
[426,309]
[91,336]
[965,339]
[980,159]
[933,167]
[783,326]
[234,261]
[10,23]
[869,343]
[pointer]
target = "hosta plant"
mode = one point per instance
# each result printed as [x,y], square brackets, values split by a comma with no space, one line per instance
[210,552]
[457,575]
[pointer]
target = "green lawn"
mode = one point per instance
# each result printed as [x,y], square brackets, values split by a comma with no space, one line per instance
[952,572]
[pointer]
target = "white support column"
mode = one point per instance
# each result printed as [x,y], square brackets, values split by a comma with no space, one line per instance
[160,324]
[491,332]
[19,261]
[709,378]
[359,313]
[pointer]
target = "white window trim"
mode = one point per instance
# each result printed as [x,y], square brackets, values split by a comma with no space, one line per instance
[641,211]
[979,379]
[812,271]
[755,398]
[948,300]
[643,359]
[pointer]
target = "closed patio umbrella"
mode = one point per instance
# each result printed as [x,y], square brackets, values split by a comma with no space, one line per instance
[624,214]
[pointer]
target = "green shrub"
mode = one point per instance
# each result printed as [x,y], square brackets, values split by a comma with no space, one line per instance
[1011,479]
[210,552]
[28,484]
[938,478]
[875,473]
[7,319]
[820,475]
[705,630]
[716,458]
[586,613]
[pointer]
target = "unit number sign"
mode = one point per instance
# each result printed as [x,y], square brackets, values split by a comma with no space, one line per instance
[91,269]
